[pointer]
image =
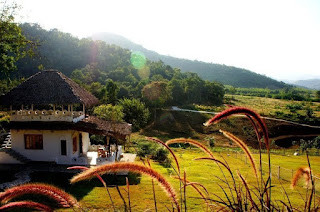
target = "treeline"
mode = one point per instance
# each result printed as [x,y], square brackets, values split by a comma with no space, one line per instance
[227,75]
[109,72]
[288,93]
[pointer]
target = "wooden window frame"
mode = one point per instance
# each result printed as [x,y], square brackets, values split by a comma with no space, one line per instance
[33,141]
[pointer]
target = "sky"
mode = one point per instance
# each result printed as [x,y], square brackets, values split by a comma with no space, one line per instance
[276,38]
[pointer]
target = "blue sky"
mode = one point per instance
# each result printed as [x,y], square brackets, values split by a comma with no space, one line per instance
[280,39]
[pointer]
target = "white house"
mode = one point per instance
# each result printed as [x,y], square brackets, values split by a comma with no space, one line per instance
[48,123]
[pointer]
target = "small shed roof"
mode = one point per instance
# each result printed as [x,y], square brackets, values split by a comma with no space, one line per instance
[48,87]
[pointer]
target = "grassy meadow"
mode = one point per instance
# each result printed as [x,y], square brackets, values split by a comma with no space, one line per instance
[205,172]
[266,106]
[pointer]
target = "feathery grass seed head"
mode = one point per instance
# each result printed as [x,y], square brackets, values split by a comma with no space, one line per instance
[125,166]
[26,204]
[192,142]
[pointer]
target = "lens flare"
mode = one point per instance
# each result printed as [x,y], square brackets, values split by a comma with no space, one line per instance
[165,117]
[138,60]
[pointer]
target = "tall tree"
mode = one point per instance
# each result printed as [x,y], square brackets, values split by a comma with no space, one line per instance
[13,45]
[135,112]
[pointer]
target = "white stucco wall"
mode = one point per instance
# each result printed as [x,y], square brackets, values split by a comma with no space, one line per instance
[7,159]
[51,145]
[85,141]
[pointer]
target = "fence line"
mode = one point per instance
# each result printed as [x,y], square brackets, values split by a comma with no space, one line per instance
[280,172]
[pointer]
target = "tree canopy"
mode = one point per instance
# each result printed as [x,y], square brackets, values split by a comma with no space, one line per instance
[13,44]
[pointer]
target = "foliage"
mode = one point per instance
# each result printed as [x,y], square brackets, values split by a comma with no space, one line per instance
[153,151]
[211,141]
[288,92]
[7,85]
[13,44]
[308,144]
[227,75]
[156,94]
[111,92]
[294,107]
[109,112]
[135,112]
[106,70]
[318,95]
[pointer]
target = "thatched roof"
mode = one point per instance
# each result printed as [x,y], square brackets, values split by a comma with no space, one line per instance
[90,124]
[48,87]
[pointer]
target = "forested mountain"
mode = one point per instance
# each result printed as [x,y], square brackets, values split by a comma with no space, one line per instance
[112,73]
[311,83]
[228,75]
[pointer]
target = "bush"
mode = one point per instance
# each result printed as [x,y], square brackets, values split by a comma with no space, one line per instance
[146,149]
[294,107]
[160,155]
[135,112]
[155,152]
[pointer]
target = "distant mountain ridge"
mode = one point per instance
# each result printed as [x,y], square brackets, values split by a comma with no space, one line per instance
[228,75]
[310,83]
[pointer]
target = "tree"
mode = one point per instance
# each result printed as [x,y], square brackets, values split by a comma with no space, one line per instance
[156,94]
[111,92]
[135,112]
[13,45]
[177,91]
[109,112]
[318,95]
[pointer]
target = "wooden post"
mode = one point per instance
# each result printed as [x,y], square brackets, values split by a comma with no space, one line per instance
[32,107]
[54,109]
[83,109]
[279,172]
[21,107]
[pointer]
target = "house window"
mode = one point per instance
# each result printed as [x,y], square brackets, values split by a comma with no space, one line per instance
[33,141]
[74,146]
[63,147]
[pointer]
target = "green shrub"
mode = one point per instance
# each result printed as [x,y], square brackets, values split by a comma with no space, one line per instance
[146,149]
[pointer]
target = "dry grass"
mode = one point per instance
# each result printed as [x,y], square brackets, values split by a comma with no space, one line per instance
[301,172]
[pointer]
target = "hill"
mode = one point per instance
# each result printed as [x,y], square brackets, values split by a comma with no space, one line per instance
[310,83]
[227,75]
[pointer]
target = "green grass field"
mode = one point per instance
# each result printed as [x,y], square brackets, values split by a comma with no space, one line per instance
[264,106]
[93,196]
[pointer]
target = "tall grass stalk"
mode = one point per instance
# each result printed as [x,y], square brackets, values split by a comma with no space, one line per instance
[244,147]
[153,190]
[61,197]
[26,204]
[168,148]
[175,159]
[192,142]
[248,112]
[101,180]
[128,190]
[136,168]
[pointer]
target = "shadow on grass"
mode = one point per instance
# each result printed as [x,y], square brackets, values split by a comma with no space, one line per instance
[81,189]
[7,176]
